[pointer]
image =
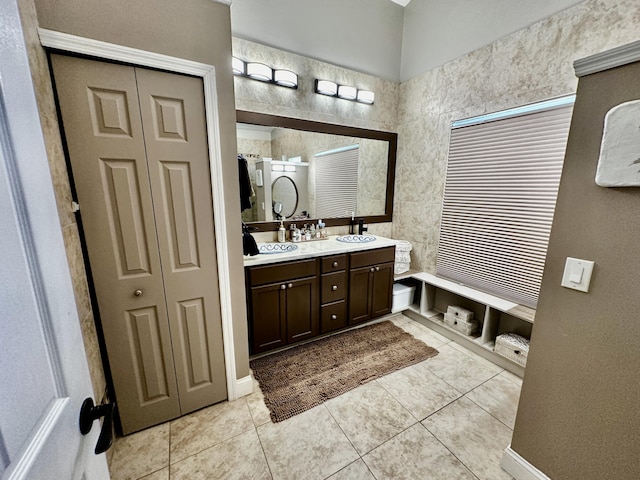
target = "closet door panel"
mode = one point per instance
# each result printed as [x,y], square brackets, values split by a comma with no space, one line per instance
[173,118]
[103,130]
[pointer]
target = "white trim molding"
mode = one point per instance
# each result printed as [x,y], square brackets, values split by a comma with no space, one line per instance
[244,386]
[519,468]
[616,57]
[95,48]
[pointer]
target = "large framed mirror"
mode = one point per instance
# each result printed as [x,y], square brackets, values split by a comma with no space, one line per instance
[338,171]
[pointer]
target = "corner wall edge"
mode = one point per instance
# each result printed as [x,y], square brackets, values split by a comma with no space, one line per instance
[519,468]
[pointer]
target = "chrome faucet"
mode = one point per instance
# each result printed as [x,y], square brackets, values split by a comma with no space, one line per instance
[361,227]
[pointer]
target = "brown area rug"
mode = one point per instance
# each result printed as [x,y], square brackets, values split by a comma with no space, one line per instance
[303,377]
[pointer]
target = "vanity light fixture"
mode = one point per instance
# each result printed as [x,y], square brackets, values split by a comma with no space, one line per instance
[366,96]
[259,71]
[286,78]
[325,87]
[264,73]
[346,92]
[238,66]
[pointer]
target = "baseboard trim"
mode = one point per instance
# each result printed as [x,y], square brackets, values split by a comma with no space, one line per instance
[519,468]
[244,386]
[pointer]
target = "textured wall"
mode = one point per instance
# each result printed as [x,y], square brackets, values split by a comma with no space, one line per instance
[533,64]
[304,103]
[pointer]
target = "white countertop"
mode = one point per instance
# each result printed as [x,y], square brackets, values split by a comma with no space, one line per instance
[317,248]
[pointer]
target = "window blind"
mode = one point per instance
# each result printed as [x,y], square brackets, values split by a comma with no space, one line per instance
[336,182]
[500,195]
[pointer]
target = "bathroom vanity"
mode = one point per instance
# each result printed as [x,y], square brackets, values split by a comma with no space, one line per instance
[320,287]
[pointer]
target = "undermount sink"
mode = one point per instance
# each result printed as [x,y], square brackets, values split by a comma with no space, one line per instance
[276,247]
[356,238]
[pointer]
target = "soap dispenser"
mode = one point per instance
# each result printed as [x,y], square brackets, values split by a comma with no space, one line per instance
[282,233]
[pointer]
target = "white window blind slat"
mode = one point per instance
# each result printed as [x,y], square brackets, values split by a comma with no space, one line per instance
[500,195]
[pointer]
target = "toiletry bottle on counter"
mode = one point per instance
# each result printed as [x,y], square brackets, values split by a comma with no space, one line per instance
[322,229]
[282,233]
[295,233]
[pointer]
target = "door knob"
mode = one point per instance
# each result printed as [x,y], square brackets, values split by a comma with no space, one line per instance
[372,269]
[138,293]
[334,287]
[90,412]
[283,287]
[290,285]
[377,269]
[334,317]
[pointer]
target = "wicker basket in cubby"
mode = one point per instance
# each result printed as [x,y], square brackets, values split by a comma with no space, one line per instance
[513,347]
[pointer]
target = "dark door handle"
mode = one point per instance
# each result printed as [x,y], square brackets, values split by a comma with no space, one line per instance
[90,412]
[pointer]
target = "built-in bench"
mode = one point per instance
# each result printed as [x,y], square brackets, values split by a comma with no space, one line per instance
[433,295]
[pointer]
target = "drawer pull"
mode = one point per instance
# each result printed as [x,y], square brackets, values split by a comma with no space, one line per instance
[290,285]
[334,317]
[377,269]
[372,269]
[334,287]
[283,287]
[335,264]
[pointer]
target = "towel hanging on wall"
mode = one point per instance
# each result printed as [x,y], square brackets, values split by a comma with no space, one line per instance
[246,190]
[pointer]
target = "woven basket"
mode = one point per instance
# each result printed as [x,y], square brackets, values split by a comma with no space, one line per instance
[513,347]
[466,327]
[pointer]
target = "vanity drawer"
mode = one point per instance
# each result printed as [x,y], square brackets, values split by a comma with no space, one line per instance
[333,287]
[373,257]
[333,316]
[334,263]
[282,272]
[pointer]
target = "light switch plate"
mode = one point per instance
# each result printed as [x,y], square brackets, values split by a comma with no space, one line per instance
[577,274]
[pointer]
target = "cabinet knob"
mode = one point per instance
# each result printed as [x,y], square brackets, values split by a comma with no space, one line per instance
[377,269]
[372,269]
[290,285]
[334,317]
[283,287]
[138,293]
[334,287]
[335,264]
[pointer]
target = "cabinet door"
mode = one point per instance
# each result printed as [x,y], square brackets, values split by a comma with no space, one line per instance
[268,320]
[302,309]
[382,290]
[359,294]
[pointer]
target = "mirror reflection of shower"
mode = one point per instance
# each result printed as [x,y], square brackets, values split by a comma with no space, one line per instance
[285,183]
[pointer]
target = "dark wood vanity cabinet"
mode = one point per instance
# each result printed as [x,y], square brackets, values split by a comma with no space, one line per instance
[283,305]
[298,300]
[333,292]
[370,284]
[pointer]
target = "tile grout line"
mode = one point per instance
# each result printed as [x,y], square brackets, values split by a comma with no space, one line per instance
[266,459]
[449,450]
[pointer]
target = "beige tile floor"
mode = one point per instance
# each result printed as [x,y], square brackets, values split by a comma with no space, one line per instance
[449,417]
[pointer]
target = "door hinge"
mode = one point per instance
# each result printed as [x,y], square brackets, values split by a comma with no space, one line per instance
[75,207]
